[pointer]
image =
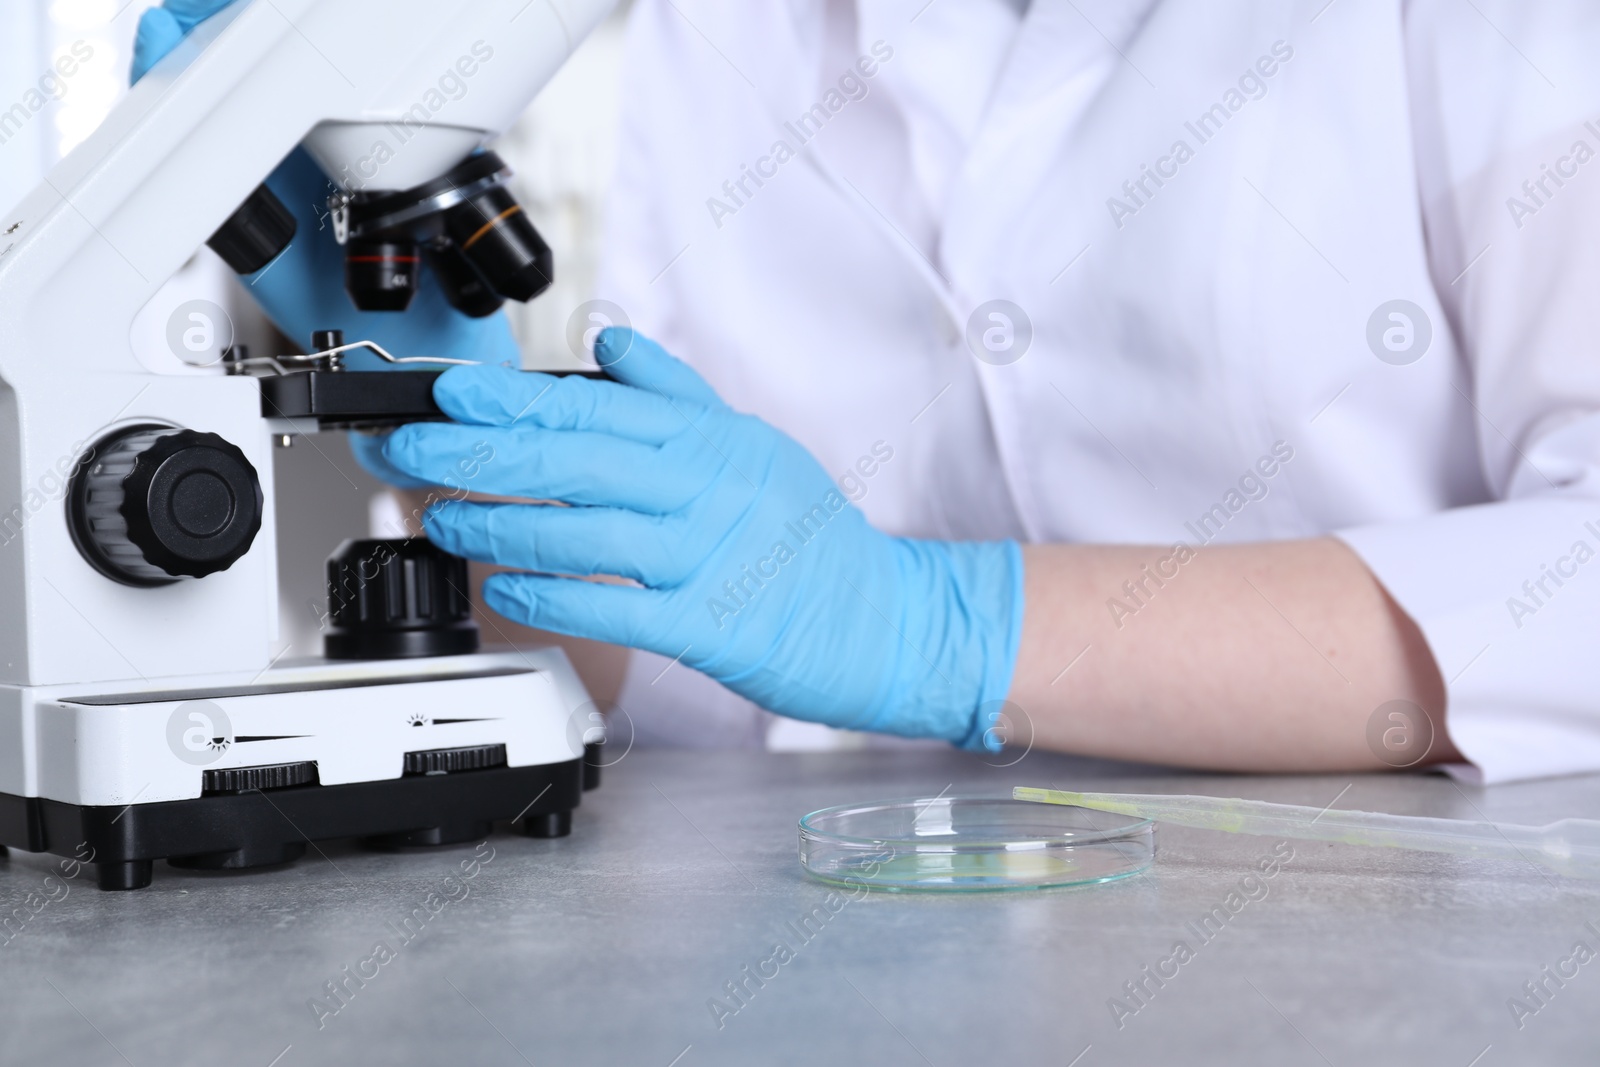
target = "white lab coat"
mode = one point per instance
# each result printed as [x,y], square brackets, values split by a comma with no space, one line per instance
[1187,333]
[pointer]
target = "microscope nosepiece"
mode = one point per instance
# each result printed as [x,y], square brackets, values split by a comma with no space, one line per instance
[478,240]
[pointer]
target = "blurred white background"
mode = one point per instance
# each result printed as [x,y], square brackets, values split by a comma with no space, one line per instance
[562,151]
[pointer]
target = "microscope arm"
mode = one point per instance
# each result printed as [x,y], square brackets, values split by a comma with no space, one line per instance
[385,94]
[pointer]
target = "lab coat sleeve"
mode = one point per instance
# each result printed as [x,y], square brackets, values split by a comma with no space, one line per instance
[1505,106]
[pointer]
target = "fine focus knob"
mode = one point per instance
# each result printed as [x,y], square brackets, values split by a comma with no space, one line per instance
[155,504]
[397,599]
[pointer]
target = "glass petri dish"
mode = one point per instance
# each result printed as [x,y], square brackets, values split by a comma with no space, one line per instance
[964,844]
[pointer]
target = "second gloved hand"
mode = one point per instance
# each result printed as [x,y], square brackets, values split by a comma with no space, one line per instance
[752,566]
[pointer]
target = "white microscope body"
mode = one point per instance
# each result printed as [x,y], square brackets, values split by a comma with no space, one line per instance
[140,714]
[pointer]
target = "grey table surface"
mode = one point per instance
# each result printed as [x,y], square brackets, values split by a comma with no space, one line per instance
[607,947]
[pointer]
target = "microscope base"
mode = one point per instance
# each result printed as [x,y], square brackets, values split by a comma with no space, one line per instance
[257,828]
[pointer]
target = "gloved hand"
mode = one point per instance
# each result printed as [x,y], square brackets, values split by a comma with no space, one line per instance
[303,289]
[754,568]
[161,28]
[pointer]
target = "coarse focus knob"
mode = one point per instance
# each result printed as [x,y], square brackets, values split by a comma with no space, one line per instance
[154,504]
[396,599]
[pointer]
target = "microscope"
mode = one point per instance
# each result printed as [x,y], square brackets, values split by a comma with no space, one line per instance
[142,716]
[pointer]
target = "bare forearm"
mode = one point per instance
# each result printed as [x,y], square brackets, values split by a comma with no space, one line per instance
[1268,656]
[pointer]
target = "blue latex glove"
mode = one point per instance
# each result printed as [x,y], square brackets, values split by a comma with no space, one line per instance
[161,28]
[303,289]
[754,568]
